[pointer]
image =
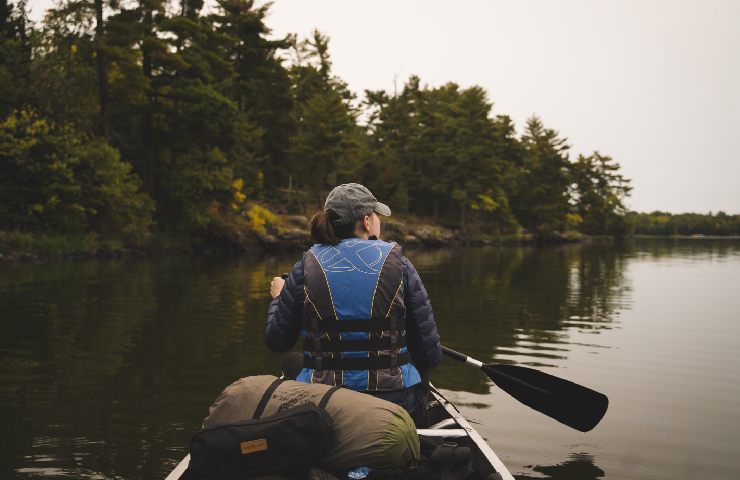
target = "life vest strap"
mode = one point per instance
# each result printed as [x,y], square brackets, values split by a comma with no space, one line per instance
[336,326]
[336,345]
[370,363]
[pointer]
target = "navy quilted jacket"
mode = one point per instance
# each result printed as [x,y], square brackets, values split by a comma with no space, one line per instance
[284,316]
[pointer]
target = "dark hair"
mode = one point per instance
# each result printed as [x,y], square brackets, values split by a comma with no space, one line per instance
[326,232]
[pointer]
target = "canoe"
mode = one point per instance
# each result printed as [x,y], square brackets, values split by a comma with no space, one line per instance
[455,428]
[451,428]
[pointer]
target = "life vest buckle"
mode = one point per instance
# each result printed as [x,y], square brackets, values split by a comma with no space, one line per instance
[316,337]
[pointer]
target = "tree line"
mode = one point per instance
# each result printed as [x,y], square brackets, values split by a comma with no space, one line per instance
[127,119]
[663,223]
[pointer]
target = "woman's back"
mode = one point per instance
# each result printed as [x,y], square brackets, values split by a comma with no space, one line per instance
[357,303]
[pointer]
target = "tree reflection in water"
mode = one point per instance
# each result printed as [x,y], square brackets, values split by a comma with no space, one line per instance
[107,368]
[520,305]
[578,467]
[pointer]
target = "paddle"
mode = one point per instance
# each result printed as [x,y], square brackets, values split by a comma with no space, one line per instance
[567,402]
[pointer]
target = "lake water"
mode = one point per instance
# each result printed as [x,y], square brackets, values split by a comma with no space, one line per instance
[108,367]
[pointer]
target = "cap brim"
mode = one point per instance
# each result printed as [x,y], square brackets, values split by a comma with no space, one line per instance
[382,209]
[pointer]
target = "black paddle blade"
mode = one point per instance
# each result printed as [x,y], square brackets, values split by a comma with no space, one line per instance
[567,402]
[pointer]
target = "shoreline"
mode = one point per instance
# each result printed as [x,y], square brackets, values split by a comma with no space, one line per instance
[288,234]
[421,236]
[690,237]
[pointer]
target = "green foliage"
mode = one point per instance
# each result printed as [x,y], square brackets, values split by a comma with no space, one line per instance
[541,197]
[200,191]
[662,223]
[599,190]
[258,83]
[325,147]
[54,180]
[110,109]
[15,56]
[438,152]
[56,244]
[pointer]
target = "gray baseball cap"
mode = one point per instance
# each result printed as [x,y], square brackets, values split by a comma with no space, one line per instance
[352,201]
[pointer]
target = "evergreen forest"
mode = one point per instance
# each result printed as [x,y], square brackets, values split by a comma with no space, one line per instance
[144,119]
[664,223]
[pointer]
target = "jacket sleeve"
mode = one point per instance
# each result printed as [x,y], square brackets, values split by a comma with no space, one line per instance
[284,312]
[421,330]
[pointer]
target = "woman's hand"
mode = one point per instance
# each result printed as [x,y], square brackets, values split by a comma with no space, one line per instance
[276,286]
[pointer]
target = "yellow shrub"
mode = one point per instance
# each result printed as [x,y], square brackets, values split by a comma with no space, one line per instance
[573,220]
[239,196]
[259,217]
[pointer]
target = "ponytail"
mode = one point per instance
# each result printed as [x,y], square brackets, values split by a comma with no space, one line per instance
[326,232]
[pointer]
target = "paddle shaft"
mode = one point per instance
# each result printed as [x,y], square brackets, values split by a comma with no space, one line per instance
[461,357]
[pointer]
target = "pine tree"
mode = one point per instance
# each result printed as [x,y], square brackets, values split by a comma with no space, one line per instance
[258,82]
[324,149]
[442,146]
[541,200]
[599,191]
[15,56]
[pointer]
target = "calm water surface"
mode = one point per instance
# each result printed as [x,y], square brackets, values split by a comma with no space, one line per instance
[108,367]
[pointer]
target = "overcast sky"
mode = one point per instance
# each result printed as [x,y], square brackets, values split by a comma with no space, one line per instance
[655,84]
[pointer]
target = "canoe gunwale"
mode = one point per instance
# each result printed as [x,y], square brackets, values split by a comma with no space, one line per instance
[482,445]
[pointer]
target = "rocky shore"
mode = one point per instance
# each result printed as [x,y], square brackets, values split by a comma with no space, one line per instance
[292,234]
[287,233]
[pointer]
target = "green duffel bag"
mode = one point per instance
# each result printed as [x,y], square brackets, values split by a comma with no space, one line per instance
[366,431]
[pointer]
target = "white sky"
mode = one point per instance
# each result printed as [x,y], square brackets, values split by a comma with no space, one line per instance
[653,83]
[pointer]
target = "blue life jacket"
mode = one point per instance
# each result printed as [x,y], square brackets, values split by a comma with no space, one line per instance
[354,329]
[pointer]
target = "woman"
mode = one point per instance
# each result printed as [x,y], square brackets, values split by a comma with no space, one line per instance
[359,305]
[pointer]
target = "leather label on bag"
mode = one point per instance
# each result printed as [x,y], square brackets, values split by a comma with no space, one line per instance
[253,446]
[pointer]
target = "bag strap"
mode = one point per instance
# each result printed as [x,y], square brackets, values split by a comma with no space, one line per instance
[266,398]
[327,396]
[274,385]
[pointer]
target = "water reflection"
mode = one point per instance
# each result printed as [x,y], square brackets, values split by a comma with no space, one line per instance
[522,305]
[697,248]
[578,467]
[107,368]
